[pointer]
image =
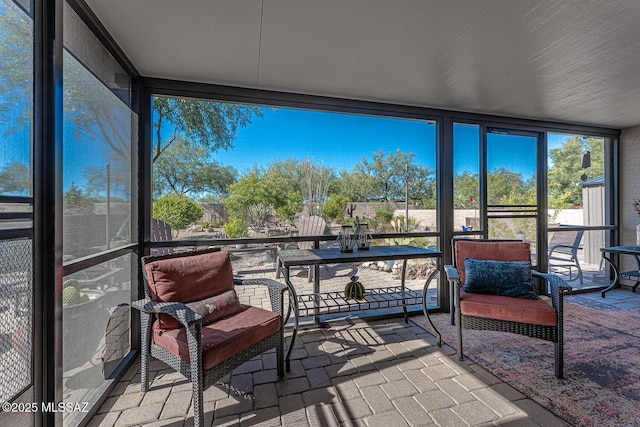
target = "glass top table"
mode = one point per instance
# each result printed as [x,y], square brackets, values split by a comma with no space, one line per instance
[317,300]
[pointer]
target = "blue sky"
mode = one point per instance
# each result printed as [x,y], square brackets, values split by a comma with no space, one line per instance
[336,140]
[341,140]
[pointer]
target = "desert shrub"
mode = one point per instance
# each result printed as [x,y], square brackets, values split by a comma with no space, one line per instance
[384,215]
[177,211]
[236,228]
[334,208]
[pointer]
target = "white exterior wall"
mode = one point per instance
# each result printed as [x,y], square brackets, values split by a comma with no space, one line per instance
[629,190]
[427,217]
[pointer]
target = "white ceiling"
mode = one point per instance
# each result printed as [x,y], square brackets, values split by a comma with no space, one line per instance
[574,61]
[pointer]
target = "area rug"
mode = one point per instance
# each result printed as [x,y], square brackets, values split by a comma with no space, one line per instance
[601,385]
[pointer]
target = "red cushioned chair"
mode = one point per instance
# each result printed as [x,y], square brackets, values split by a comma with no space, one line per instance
[193,321]
[531,317]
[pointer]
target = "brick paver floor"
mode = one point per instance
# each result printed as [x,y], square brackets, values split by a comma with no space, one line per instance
[353,373]
[383,373]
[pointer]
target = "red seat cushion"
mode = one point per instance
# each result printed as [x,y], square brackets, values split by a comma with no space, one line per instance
[535,312]
[497,251]
[223,338]
[188,279]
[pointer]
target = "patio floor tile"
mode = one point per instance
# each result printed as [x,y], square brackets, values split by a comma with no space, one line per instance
[372,387]
[382,373]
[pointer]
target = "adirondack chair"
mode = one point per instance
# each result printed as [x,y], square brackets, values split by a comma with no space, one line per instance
[310,226]
[161,232]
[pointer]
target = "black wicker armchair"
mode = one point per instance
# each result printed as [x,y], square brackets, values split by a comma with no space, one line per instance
[535,318]
[192,320]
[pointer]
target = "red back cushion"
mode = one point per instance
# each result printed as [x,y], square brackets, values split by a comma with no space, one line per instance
[497,251]
[187,279]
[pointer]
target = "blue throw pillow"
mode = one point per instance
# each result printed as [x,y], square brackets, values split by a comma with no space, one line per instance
[506,278]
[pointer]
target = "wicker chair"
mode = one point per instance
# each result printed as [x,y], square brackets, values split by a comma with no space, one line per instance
[176,331]
[531,317]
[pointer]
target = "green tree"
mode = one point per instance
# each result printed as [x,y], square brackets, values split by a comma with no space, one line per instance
[388,172]
[314,182]
[284,172]
[357,186]
[466,187]
[254,198]
[292,205]
[176,210]
[16,81]
[77,202]
[505,187]
[101,122]
[208,124]
[388,177]
[334,207]
[384,215]
[303,181]
[422,186]
[235,228]
[284,176]
[565,170]
[14,179]
[16,67]
[186,170]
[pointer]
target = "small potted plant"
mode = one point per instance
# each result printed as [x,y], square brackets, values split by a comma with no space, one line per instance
[354,289]
[520,235]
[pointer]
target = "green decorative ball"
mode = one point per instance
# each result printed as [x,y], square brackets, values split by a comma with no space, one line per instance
[70,282]
[354,290]
[71,296]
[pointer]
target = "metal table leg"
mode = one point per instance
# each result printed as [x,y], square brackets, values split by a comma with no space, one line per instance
[316,292]
[424,301]
[635,286]
[616,272]
[402,287]
[293,304]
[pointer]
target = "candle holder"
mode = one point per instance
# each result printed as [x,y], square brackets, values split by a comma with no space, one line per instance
[363,236]
[347,239]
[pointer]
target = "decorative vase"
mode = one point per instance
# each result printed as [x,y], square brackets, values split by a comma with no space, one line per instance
[638,235]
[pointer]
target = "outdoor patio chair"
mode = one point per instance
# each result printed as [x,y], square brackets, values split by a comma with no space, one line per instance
[192,320]
[161,232]
[491,289]
[310,226]
[563,253]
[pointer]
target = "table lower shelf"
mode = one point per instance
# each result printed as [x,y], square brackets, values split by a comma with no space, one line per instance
[630,274]
[376,298]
